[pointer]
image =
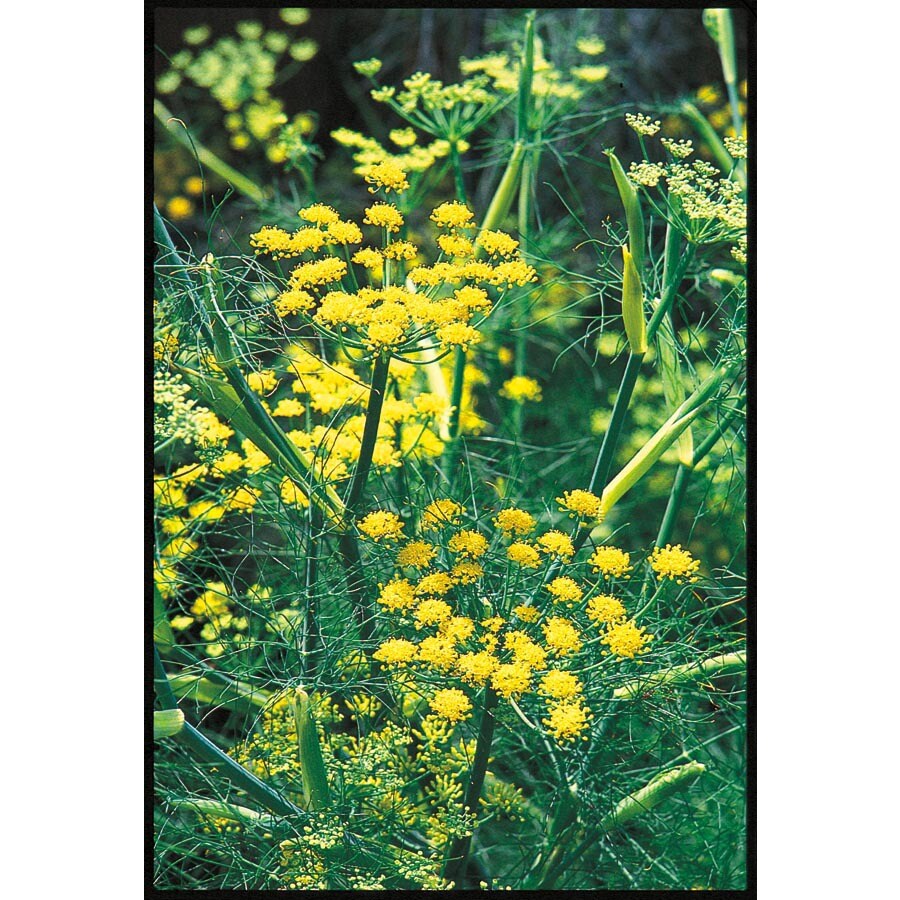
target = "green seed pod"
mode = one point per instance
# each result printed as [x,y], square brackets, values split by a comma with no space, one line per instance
[633,306]
[634,217]
[167,722]
[655,791]
[315,781]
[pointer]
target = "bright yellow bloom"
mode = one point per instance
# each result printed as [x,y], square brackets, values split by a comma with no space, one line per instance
[468,543]
[440,513]
[611,561]
[397,594]
[369,257]
[179,208]
[400,250]
[381,525]
[494,623]
[583,503]
[524,555]
[452,215]
[395,652]
[455,245]
[626,639]
[451,704]
[384,215]
[466,572]
[565,590]
[243,498]
[497,243]
[457,628]
[320,271]
[387,175]
[344,233]
[567,720]
[557,543]
[293,301]
[603,609]
[511,678]
[674,563]
[292,494]
[526,613]
[418,554]
[515,272]
[432,612]
[476,668]
[514,521]
[439,651]
[561,636]
[289,407]
[560,685]
[458,334]
[319,214]
[213,602]
[521,388]
[435,585]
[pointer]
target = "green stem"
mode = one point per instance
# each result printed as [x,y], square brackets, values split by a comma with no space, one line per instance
[311,637]
[458,856]
[620,408]
[705,668]
[370,431]
[683,476]
[456,392]
[457,171]
[676,498]
[207,750]
[179,132]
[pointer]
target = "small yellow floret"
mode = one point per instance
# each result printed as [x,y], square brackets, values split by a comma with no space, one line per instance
[381,525]
[451,704]
[674,563]
[611,561]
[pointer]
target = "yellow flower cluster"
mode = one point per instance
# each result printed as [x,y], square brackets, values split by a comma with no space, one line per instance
[674,563]
[393,312]
[449,625]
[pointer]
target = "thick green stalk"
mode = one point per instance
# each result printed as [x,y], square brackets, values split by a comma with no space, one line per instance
[683,476]
[458,179]
[208,751]
[664,437]
[370,431]
[620,407]
[167,722]
[458,856]
[713,141]
[209,159]
[456,393]
[311,637]
[312,765]
[673,507]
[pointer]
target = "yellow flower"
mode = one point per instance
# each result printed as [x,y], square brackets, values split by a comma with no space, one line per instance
[468,543]
[524,555]
[526,613]
[384,215]
[457,628]
[626,639]
[466,572]
[452,215]
[179,208]
[458,334]
[395,652]
[557,543]
[515,272]
[514,521]
[441,512]
[561,636]
[560,685]
[369,257]
[400,250]
[584,504]
[320,271]
[397,594]
[525,651]
[611,561]
[387,175]
[511,678]
[289,407]
[603,609]
[521,388]
[381,525]
[674,563]
[497,243]
[451,704]
[476,668]
[319,214]
[455,245]
[567,720]
[432,612]
[565,590]
[437,584]
[344,233]
[418,554]
[439,651]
